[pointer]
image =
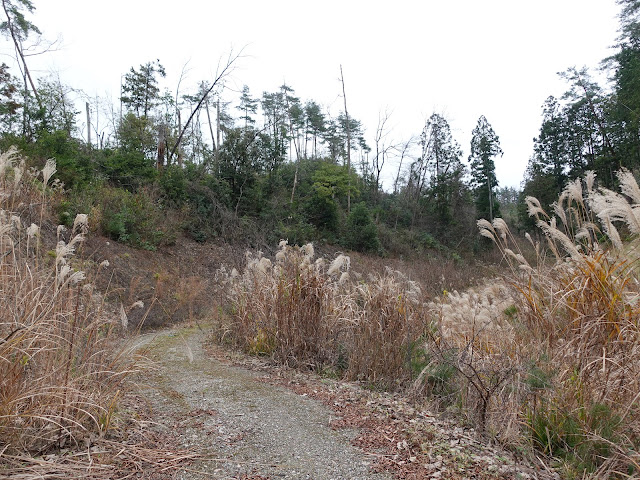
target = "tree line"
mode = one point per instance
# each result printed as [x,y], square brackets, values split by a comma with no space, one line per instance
[591,127]
[275,164]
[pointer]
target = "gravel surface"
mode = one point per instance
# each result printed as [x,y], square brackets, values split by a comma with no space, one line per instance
[244,427]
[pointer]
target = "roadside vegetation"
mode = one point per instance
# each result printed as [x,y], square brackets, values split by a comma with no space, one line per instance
[63,363]
[543,358]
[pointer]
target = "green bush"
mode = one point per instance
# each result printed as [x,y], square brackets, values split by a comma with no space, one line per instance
[133,218]
[125,169]
[583,439]
[74,162]
[173,186]
[361,233]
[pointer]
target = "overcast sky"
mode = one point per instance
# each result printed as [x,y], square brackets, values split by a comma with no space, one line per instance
[459,58]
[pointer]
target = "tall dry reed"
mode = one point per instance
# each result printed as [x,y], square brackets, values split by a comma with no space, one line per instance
[60,375]
[554,355]
[310,313]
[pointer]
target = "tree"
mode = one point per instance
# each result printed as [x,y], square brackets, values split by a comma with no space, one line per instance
[361,232]
[630,23]
[248,106]
[586,95]
[223,71]
[442,159]
[9,101]
[485,146]
[551,155]
[58,109]
[243,157]
[140,91]
[625,102]
[383,147]
[315,126]
[18,28]
[329,191]
[348,130]
[337,140]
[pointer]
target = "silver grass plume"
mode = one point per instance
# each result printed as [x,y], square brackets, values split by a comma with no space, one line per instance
[124,320]
[281,256]
[590,180]
[610,204]
[558,208]
[62,274]
[612,233]
[553,233]
[533,207]
[48,170]
[33,230]
[629,186]
[80,224]
[6,160]
[501,227]
[308,250]
[486,229]
[338,263]
[574,191]
[17,175]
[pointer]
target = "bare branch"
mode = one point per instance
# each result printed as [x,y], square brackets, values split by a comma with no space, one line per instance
[221,74]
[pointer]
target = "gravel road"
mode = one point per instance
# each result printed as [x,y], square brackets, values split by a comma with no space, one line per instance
[244,427]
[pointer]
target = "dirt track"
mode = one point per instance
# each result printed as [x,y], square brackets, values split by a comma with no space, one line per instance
[245,427]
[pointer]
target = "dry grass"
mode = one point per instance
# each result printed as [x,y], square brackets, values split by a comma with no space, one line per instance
[545,356]
[59,377]
[552,352]
[62,368]
[306,313]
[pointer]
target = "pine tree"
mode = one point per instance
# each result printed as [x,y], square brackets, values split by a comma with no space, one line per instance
[140,91]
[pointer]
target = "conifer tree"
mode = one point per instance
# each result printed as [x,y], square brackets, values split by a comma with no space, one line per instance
[485,146]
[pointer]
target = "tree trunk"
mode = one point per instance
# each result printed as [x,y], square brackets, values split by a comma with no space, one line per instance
[88,125]
[346,114]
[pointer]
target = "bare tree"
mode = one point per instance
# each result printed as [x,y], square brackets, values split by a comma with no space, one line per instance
[383,147]
[222,72]
[18,29]
[404,150]
[346,114]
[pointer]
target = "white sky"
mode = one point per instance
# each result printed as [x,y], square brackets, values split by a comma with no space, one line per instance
[460,58]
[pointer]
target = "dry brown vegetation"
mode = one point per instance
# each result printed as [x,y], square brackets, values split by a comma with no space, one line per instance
[551,353]
[63,368]
[309,313]
[544,358]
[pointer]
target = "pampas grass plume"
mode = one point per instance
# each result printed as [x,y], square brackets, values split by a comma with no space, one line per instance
[33,230]
[48,170]
[308,250]
[80,224]
[338,263]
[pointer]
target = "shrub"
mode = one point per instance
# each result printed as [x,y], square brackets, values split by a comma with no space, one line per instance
[134,218]
[361,233]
